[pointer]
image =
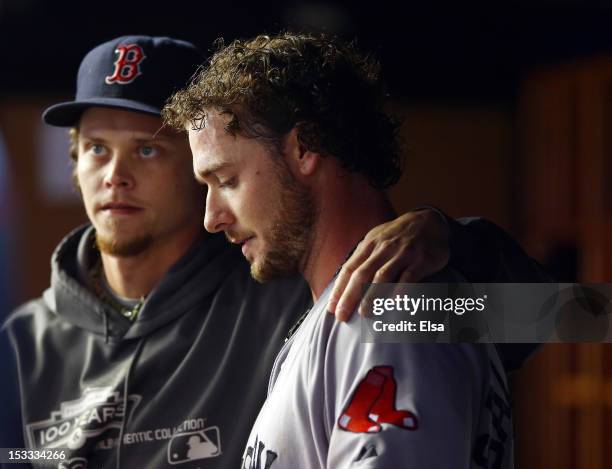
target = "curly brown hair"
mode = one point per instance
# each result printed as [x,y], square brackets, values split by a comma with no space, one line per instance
[326,88]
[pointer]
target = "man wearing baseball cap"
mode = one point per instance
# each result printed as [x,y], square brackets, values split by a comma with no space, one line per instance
[153,346]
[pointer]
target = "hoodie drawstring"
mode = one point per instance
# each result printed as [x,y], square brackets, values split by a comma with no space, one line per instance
[137,353]
[106,329]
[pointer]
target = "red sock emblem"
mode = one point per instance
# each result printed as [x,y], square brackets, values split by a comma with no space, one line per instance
[384,411]
[374,403]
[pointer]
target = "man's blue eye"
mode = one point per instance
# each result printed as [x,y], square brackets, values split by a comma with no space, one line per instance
[97,149]
[148,151]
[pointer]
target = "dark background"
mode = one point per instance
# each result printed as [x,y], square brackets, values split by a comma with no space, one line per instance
[456,50]
[507,109]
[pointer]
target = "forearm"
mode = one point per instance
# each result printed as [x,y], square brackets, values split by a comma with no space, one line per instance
[484,252]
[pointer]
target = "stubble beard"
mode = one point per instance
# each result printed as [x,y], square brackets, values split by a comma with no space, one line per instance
[289,237]
[124,248]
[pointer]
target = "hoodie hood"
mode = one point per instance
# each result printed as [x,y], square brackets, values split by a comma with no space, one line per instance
[195,361]
[194,276]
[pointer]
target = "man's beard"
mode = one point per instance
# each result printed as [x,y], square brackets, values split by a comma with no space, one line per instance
[290,234]
[128,248]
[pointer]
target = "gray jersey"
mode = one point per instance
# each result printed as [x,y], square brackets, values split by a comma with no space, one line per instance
[335,402]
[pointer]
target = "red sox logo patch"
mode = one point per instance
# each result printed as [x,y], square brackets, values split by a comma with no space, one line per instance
[127,65]
[374,404]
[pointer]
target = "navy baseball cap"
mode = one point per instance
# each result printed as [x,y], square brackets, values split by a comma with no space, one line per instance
[135,73]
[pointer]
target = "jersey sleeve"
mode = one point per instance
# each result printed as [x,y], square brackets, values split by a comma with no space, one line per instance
[403,405]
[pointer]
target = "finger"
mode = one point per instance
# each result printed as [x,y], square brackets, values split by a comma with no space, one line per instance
[351,294]
[388,273]
[406,258]
[365,305]
[356,259]
[380,291]
[353,291]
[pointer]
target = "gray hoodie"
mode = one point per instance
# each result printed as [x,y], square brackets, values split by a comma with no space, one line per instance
[179,387]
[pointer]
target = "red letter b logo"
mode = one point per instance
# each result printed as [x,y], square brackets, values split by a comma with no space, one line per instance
[127,66]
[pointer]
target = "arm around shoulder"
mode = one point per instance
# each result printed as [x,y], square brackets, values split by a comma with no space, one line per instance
[484,252]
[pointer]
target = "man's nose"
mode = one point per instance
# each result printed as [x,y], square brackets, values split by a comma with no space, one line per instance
[217,216]
[118,172]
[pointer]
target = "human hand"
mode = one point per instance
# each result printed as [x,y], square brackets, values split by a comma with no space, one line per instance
[405,250]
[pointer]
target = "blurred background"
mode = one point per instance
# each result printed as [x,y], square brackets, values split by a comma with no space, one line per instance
[505,111]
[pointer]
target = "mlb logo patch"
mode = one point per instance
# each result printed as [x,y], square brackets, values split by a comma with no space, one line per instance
[192,446]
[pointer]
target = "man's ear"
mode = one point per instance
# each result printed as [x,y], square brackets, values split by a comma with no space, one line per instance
[301,160]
